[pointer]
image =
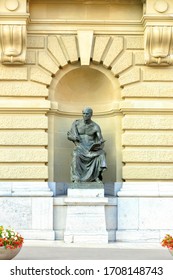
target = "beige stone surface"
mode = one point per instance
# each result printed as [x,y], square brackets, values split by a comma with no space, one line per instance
[25,103]
[113,51]
[131,76]
[147,138]
[85,42]
[55,48]
[21,88]
[46,62]
[124,62]
[36,42]
[23,138]
[40,76]
[23,155]
[148,172]
[146,89]
[70,46]
[100,45]
[139,58]
[63,39]
[31,57]
[82,10]
[31,172]
[149,74]
[148,122]
[13,73]
[14,121]
[148,155]
[134,42]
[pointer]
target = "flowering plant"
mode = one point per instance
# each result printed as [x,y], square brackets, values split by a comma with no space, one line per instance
[167,242]
[9,238]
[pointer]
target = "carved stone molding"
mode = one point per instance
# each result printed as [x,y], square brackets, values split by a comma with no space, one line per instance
[158,45]
[13,43]
[13,20]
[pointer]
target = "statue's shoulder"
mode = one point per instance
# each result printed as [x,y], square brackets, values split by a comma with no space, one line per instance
[95,125]
[77,122]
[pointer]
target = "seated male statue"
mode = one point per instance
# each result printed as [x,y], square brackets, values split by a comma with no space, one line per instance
[88,160]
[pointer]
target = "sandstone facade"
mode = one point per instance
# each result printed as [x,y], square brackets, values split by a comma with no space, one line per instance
[58,56]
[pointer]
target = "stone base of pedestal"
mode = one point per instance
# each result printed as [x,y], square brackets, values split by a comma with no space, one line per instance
[85,221]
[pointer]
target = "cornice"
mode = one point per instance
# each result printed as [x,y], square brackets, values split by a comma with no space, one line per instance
[101,26]
[159,20]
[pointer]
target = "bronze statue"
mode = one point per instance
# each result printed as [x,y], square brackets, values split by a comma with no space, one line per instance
[88,160]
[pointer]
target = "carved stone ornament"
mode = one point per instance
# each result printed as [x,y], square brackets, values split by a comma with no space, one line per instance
[13,43]
[158,45]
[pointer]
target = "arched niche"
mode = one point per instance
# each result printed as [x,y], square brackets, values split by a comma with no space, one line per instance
[73,88]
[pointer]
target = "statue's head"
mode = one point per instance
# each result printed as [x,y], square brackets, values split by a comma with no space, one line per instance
[87,113]
[88,110]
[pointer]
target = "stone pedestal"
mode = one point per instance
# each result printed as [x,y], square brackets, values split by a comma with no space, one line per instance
[85,221]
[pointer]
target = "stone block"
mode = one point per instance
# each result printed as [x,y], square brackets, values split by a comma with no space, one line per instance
[85,42]
[128,213]
[70,48]
[31,189]
[24,172]
[23,121]
[36,42]
[150,74]
[138,236]
[40,76]
[148,122]
[30,57]
[124,62]
[55,49]
[46,62]
[25,104]
[149,207]
[139,189]
[139,58]
[131,76]
[148,155]
[13,73]
[111,216]
[145,89]
[22,138]
[147,139]
[17,212]
[113,51]
[23,89]
[23,155]
[100,45]
[32,217]
[134,42]
[43,209]
[86,213]
[85,190]
[145,105]
[148,172]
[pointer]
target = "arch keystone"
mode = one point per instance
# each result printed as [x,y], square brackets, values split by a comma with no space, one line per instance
[85,41]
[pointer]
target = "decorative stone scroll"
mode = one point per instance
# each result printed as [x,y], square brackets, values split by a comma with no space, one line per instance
[158,45]
[14,15]
[13,43]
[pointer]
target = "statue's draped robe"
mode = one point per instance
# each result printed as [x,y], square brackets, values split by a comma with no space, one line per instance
[87,165]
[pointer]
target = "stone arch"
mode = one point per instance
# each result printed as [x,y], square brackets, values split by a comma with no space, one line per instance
[110,51]
[83,50]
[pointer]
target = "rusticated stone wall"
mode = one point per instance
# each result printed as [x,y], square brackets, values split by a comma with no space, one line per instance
[142,103]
